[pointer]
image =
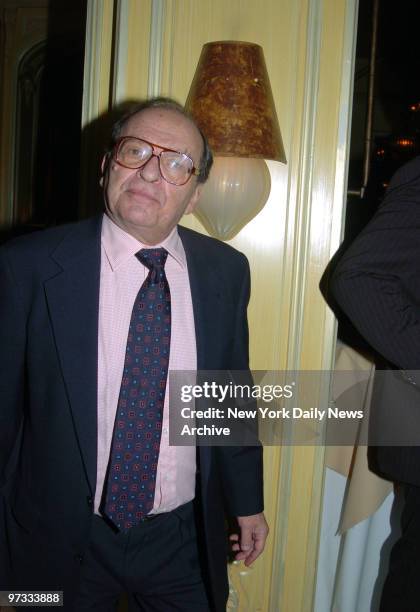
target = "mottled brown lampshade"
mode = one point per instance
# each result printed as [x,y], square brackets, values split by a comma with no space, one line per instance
[231,100]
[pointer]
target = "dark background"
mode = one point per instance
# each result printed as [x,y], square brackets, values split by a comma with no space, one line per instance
[396,117]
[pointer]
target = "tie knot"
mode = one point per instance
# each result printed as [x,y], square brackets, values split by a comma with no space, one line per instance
[153,258]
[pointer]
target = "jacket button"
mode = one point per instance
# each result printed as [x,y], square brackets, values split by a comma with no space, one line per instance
[79,558]
[89,501]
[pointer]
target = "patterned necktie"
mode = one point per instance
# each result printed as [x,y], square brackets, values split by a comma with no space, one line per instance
[135,446]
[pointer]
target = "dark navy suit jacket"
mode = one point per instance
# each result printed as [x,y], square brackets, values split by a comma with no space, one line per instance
[49,297]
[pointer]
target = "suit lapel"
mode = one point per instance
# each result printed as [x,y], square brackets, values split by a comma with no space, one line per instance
[206,298]
[73,300]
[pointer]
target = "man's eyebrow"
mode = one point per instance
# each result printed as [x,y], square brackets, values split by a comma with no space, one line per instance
[184,150]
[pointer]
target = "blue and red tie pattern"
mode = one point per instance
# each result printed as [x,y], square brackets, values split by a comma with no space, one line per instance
[135,445]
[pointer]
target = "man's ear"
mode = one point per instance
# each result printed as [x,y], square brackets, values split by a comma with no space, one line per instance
[194,199]
[104,165]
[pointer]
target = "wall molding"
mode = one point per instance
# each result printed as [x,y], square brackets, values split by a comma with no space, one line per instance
[157,31]
[297,289]
[122,13]
[98,50]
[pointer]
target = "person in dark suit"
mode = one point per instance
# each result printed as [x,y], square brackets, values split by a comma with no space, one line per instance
[84,508]
[377,285]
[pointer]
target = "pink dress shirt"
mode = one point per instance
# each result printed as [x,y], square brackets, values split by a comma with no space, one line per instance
[122,275]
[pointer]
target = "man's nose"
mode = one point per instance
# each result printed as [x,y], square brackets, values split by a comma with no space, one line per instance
[150,171]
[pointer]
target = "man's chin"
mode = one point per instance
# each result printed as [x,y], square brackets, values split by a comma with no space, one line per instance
[146,231]
[139,215]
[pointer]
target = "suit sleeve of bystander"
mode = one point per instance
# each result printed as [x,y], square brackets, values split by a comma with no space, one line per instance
[376,283]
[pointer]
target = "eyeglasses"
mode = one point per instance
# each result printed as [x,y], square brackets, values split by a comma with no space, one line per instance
[175,167]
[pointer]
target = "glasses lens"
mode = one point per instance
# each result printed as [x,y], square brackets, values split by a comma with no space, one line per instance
[176,168]
[133,152]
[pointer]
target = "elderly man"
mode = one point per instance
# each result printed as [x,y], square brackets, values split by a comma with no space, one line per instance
[93,315]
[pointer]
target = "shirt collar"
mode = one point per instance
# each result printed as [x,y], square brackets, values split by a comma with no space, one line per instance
[120,246]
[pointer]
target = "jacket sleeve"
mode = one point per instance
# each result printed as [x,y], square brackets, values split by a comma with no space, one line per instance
[241,467]
[377,282]
[12,369]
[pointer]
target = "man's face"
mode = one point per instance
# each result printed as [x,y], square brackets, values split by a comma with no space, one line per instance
[140,201]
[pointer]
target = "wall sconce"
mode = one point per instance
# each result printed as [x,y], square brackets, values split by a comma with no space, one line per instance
[231,100]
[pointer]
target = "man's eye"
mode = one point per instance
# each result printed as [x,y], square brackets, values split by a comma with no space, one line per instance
[136,152]
[174,162]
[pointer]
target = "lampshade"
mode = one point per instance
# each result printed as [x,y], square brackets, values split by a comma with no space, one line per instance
[231,100]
